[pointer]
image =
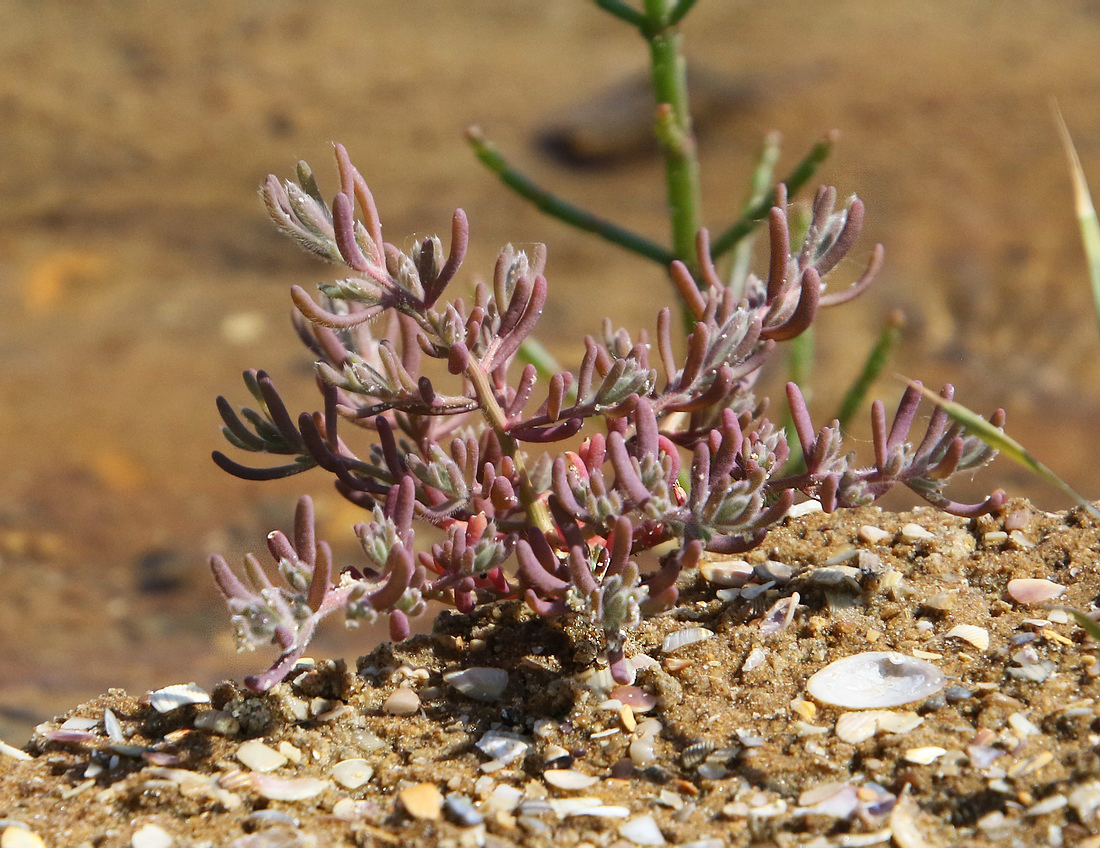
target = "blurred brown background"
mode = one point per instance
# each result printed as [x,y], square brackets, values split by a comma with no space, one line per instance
[139,275]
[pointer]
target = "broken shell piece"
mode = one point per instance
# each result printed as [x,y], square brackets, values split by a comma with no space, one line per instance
[402,702]
[504,748]
[480,683]
[150,836]
[642,830]
[860,726]
[915,533]
[351,774]
[875,679]
[976,636]
[686,636]
[569,779]
[639,700]
[872,535]
[259,757]
[726,574]
[288,788]
[926,755]
[422,801]
[1030,590]
[178,695]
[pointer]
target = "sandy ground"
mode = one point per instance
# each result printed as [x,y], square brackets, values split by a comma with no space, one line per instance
[138,274]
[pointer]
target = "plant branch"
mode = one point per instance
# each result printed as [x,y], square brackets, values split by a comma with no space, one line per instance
[555,207]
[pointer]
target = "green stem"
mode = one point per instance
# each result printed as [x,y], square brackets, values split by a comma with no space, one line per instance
[624,11]
[794,182]
[876,360]
[554,206]
[674,127]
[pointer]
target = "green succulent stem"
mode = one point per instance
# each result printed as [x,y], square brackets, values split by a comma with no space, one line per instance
[549,203]
[668,70]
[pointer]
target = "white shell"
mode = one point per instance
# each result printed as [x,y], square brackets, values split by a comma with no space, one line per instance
[569,779]
[502,747]
[288,788]
[642,830]
[1029,590]
[178,695]
[976,636]
[353,773]
[260,757]
[875,679]
[480,683]
[151,836]
[687,636]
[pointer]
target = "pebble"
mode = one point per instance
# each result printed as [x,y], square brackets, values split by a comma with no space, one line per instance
[260,757]
[480,683]
[461,811]
[178,695]
[1030,590]
[642,830]
[422,801]
[403,702]
[639,700]
[353,773]
[20,837]
[915,533]
[926,755]
[503,747]
[875,679]
[872,535]
[976,636]
[857,727]
[151,836]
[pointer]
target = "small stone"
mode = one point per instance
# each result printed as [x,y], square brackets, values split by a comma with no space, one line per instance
[151,836]
[1029,590]
[871,535]
[915,533]
[353,773]
[178,695]
[480,683]
[642,830]
[422,801]
[403,702]
[259,757]
[219,722]
[924,756]
[639,700]
[461,811]
[503,747]
[20,837]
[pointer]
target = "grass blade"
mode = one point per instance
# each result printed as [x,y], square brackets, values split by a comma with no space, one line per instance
[1086,212]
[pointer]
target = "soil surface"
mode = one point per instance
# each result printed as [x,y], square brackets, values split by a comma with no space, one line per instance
[717,743]
[140,275]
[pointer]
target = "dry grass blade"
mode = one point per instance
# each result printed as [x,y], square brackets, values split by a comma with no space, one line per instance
[1086,212]
[1004,444]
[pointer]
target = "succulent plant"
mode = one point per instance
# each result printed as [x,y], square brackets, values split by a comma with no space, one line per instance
[645,459]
